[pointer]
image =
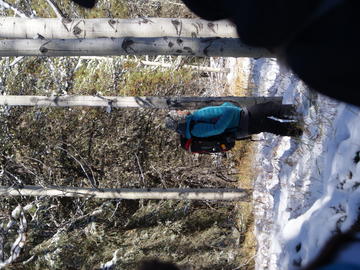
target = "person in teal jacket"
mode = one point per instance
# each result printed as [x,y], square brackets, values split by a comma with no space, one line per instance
[242,122]
[213,120]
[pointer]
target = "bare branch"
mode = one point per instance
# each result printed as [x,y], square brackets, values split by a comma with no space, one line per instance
[9,6]
[19,243]
[140,169]
[91,179]
[56,9]
[132,193]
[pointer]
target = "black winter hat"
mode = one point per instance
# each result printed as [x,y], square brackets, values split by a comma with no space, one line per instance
[178,125]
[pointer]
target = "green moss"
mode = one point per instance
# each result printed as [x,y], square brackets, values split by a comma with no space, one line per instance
[150,82]
[91,79]
[117,9]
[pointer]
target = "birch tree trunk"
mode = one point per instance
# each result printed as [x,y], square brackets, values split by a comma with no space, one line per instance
[203,47]
[174,103]
[14,27]
[131,194]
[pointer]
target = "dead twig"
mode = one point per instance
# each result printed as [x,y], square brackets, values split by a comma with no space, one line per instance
[140,169]
[56,9]
[91,179]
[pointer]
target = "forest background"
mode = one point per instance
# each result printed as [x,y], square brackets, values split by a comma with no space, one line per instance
[86,147]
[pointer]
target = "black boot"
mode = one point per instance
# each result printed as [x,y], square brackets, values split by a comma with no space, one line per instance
[288,112]
[294,129]
[274,126]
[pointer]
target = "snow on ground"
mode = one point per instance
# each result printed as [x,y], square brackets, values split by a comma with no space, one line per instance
[306,188]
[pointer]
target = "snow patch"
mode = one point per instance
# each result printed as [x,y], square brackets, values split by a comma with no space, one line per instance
[306,188]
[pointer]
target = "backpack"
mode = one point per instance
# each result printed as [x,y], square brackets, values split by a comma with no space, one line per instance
[214,144]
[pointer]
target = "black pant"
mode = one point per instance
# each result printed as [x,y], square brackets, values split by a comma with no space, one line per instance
[259,120]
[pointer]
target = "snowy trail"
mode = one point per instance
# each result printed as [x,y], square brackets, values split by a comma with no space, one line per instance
[306,188]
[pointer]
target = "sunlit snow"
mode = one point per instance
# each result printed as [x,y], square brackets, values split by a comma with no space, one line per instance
[306,188]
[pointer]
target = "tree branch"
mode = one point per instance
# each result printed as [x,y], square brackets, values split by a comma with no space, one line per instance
[132,193]
[56,9]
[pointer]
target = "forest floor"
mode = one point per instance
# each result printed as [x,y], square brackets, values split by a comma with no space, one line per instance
[117,148]
[43,146]
[239,84]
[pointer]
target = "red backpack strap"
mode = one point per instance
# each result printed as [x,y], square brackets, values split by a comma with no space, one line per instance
[188,144]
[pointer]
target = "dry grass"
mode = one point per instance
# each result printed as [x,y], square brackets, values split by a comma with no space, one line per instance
[245,219]
[39,147]
[244,151]
[240,86]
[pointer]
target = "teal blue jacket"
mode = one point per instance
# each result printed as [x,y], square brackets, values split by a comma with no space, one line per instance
[213,120]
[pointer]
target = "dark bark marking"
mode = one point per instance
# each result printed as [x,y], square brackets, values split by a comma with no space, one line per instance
[212,27]
[178,26]
[66,20]
[175,22]
[189,50]
[170,44]
[43,49]
[112,22]
[76,31]
[173,103]
[210,41]
[179,41]
[126,45]
[145,20]
[198,27]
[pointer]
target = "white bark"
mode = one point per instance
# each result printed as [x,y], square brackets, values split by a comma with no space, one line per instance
[12,27]
[203,47]
[179,103]
[131,193]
